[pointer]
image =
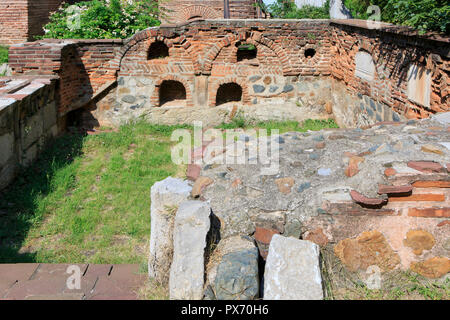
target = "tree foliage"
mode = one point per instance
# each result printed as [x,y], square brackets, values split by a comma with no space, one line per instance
[3,55]
[102,19]
[424,15]
[286,9]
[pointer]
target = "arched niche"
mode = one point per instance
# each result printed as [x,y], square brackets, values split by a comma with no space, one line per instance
[365,67]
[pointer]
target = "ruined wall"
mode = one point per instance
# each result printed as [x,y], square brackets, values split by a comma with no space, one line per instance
[203,56]
[22,20]
[264,69]
[83,66]
[176,11]
[398,69]
[13,21]
[28,120]
[38,14]
[377,197]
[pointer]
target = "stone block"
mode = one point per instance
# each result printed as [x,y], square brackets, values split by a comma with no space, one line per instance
[365,68]
[419,85]
[233,270]
[49,115]
[192,224]
[292,270]
[32,129]
[6,147]
[166,196]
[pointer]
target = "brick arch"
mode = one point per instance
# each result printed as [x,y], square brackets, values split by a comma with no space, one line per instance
[154,99]
[202,11]
[215,87]
[151,35]
[255,38]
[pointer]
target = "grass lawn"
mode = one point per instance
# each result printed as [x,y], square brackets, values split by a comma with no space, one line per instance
[87,199]
[3,54]
[284,126]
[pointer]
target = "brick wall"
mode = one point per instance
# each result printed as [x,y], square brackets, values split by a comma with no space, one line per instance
[83,66]
[176,11]
[203,56]
[393,50]
[243,9]
[210,48]
[22,20]
[38,15]
[416,206]
[13,21]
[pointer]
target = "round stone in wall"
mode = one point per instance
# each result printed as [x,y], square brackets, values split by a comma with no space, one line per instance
[258,88]
[129,99]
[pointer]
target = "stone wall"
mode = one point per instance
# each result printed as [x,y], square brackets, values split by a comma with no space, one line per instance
[28,120]
[264,69]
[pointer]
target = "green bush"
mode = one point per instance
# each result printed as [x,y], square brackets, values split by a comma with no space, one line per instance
[3,55]
[102,19]
[423,15]
[283,9]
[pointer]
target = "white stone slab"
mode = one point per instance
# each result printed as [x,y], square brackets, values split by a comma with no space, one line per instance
[187,272]
[292,270]
[419,85]
[365,67]
[166,196]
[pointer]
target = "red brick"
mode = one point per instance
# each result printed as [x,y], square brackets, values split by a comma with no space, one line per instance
[352,168]
[382,189]
[430,212]
[443,223]
[320,145]
[426,166]
[353,209]
[389,172]
[419,197]
[193,171]
[431,184]
[360,198]
[236,183]
[317,236]
[264,235]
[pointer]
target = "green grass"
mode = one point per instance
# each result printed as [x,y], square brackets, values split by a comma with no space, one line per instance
[403,285]
[3,54]
[239,122]
[87,198]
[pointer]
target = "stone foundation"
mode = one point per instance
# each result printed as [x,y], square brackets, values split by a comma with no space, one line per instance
[28,120]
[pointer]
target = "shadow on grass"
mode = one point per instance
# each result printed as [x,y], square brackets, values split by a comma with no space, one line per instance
[20,201]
